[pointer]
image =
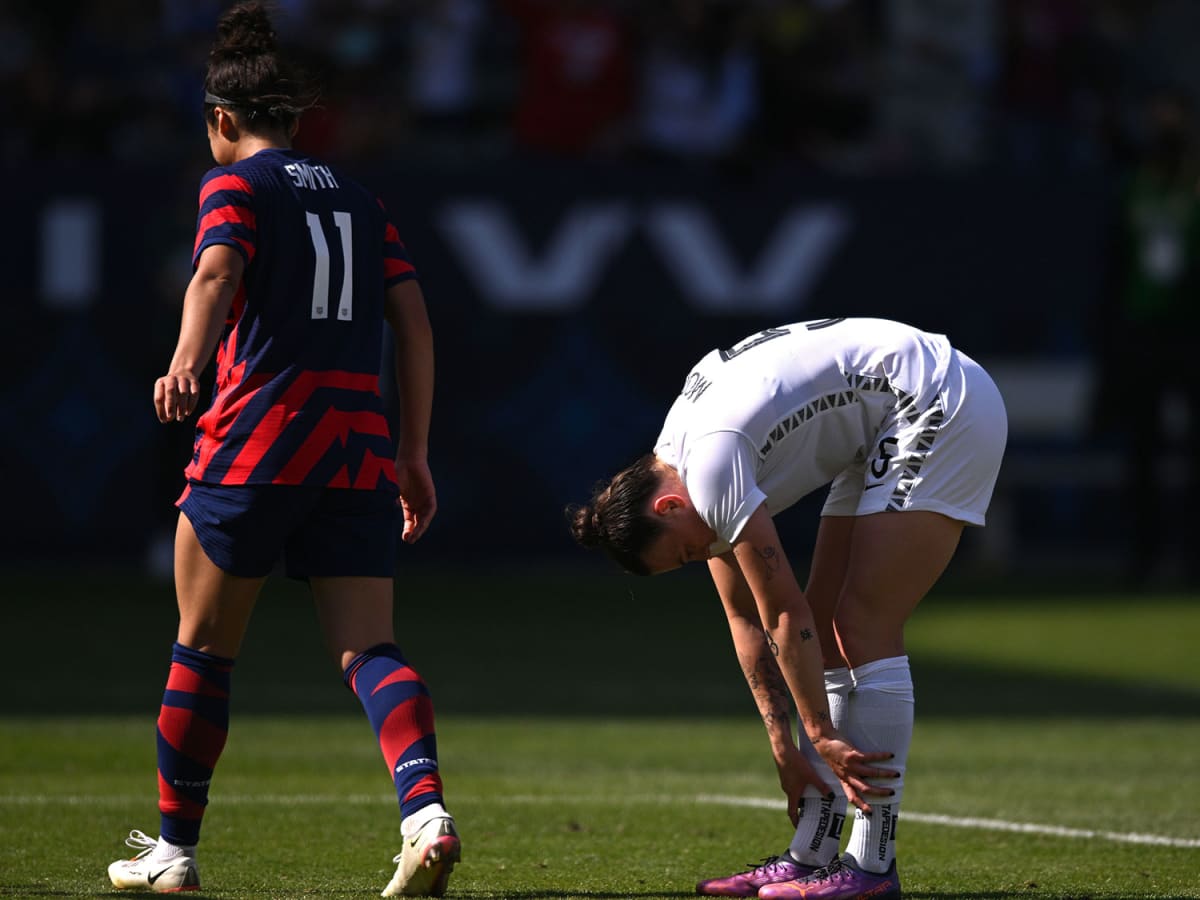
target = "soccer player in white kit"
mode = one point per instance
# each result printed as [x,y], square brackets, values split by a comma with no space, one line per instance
[909,434]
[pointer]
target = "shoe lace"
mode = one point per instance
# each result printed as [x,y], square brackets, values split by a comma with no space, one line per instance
[767,862]
[141,842]
[835,871]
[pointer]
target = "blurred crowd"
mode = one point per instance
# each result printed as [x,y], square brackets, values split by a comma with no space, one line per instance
[844,85]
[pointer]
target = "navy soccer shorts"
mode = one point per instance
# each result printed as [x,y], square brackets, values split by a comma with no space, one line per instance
[317,531]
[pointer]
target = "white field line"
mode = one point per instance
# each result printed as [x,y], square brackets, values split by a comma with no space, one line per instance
[970,822]
[986,824]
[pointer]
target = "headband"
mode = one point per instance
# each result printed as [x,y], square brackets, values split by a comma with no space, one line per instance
[252,109]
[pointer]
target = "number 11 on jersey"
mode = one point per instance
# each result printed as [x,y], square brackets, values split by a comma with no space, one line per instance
[320,296]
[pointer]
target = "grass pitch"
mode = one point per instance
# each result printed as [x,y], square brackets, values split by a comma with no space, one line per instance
[597,742]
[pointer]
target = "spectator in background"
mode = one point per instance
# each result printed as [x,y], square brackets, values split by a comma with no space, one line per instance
[1147,342]
[817,63]
[576,60]
[939,65]
[1044,52]
[442,46]
[1167,42]
[363,108]
[698,87]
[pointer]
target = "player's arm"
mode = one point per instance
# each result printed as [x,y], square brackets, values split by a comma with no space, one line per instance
[206,306]
[404,309]
[766,681]
[792,639]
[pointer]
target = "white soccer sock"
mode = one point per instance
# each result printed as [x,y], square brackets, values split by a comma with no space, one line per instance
[880,717]
[412,824]
[819,831]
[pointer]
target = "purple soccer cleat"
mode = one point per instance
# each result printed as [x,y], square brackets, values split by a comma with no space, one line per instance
[746,884]
[840,880]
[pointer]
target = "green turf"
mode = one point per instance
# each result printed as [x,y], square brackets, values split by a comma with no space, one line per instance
[597,741]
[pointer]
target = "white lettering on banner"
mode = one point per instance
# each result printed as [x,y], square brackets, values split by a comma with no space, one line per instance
[509,277]
[71,252]
[785,271]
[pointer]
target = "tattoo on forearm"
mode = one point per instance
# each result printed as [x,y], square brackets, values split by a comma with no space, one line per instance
[817,718]
[806,634]
[770,559]
[769,689]
[771,716]
[774,647]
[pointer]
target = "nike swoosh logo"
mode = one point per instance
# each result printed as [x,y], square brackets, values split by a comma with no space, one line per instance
[875,485]
[150,879]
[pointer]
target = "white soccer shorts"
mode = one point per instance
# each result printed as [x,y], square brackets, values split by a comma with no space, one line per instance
[945,459]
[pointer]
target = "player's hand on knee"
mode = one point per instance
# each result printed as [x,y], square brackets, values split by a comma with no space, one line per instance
[853,769]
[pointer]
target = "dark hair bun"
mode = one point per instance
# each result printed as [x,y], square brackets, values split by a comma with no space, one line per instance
[247,72]
[245,30]
[581,520]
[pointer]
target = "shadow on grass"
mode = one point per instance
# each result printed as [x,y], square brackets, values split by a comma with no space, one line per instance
[514,645]
[945,689]
[518,686]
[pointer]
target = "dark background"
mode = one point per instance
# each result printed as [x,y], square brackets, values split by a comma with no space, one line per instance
[612,189]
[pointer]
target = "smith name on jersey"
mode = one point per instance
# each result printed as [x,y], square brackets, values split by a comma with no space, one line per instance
[297,399]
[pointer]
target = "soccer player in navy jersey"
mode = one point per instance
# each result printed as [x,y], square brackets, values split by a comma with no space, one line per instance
[296,268]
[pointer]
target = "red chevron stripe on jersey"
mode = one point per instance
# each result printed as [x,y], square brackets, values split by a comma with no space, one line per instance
[370,470]
[226,215]
[216,424]
[297,399]
[334,424]
[226,218]
[395,267]
[227,346]
[224,183]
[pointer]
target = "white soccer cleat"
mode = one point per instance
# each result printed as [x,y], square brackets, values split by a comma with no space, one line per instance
[426,860]
[142,872]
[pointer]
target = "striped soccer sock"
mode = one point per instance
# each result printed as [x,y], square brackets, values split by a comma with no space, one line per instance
[192,727]
[401,712]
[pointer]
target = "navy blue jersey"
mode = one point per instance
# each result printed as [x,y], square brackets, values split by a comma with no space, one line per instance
[297,393]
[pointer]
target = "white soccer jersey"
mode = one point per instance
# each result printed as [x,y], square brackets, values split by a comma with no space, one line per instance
[787,410]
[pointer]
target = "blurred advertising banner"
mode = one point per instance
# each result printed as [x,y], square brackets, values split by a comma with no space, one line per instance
[568,302]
